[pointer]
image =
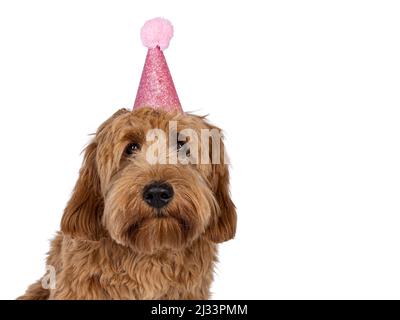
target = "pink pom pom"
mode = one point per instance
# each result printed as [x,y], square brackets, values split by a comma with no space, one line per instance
[157,32]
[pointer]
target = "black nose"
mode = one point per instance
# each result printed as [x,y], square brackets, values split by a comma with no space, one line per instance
[158,194]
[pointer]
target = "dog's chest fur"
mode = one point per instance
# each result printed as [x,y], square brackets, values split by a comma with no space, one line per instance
[105,270]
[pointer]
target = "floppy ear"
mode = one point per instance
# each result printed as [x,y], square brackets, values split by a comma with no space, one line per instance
[82,216]
[222,227]
[223,224]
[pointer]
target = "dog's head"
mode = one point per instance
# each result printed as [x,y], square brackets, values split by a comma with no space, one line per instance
[153,180]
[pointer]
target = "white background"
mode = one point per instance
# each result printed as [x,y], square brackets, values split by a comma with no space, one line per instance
[308,93]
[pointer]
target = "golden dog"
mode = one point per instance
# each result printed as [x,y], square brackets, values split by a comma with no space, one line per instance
[139,230]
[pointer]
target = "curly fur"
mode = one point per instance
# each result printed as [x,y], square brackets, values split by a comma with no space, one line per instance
[112,245]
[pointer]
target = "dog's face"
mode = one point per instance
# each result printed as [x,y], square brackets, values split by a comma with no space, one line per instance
[149,187]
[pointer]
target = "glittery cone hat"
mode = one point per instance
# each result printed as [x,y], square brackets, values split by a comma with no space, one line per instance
[156,88]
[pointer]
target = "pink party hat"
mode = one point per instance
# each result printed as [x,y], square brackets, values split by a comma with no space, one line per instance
[156,88]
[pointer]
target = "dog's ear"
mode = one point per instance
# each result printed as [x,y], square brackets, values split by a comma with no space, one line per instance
[223,225]
[82,216]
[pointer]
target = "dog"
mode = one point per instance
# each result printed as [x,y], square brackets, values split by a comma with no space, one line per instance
[134,229]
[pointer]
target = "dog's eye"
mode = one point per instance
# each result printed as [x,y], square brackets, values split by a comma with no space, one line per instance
[132,148]
[180,144]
